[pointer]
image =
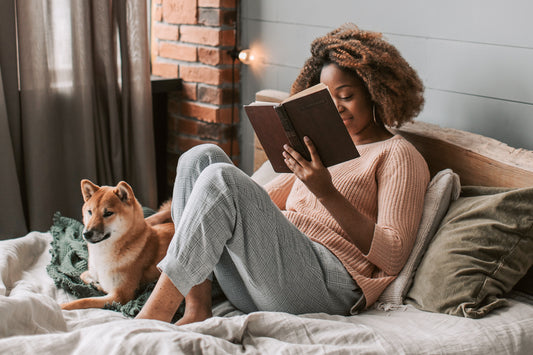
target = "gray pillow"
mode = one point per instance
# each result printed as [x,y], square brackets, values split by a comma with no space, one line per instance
[483,247]
[443,188]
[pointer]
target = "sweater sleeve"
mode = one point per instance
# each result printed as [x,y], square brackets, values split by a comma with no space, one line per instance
[402,182]
[279,189]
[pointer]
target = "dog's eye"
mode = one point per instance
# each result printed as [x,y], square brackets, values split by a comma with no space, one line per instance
[90,212]
[107,214]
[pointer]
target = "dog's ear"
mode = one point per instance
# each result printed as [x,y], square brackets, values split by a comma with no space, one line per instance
[88,189]
[124,192]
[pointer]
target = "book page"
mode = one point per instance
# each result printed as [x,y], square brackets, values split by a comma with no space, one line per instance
[312,89]
[263,103]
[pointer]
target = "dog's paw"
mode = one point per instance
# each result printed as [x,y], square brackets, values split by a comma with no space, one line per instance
[67,306]
[88,279]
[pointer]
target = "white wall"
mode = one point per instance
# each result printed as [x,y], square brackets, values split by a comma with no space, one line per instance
[475,57]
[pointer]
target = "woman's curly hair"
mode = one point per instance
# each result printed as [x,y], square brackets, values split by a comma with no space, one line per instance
[393,85]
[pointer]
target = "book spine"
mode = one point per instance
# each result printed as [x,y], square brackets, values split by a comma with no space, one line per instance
[294,140]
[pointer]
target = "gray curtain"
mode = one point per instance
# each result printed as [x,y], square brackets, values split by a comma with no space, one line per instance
[83,108]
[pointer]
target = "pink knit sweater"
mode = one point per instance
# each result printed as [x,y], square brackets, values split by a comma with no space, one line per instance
[387,184]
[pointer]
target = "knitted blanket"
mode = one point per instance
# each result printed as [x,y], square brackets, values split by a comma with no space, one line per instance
[69,260]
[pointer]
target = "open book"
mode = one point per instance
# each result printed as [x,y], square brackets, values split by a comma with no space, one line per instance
[311,113]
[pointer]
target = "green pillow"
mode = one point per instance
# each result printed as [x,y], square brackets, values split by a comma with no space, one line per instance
[482,248]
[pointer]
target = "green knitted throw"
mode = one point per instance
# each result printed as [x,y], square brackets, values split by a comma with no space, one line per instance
[69,260]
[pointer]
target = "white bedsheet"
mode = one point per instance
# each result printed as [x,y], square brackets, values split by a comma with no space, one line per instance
[32,322]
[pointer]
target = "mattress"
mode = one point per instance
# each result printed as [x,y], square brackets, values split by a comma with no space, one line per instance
[31,320]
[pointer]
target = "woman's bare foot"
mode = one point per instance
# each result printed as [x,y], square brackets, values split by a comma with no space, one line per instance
[198,314]
[163,302]
[197,304]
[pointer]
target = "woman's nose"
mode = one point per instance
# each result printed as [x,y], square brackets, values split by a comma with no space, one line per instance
[338,104]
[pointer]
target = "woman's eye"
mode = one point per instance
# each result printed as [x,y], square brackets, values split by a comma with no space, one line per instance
[90,212]
[107,214]
[346,97]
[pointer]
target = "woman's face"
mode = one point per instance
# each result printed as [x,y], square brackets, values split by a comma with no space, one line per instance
[353,102]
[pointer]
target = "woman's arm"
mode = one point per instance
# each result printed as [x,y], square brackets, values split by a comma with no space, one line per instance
[317,178]
[402,182]
[358,227]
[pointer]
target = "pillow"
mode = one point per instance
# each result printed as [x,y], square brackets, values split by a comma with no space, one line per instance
[264,173]
[483,247]
[443,188]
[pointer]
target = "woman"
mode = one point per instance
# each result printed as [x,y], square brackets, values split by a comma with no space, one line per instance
[320,239]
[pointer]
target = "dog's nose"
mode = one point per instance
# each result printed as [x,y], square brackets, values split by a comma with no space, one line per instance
[94,236]
[87,235]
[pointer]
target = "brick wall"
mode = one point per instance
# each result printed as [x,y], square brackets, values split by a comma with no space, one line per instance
[191,40]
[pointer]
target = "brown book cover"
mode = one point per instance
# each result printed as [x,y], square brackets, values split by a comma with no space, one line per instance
[311,113]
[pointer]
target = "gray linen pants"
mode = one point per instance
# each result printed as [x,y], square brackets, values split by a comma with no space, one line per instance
[227,224]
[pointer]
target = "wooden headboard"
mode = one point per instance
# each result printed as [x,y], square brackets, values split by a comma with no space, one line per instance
[477,159]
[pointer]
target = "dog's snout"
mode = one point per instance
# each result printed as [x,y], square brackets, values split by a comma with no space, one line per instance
[88,235]
[95,236]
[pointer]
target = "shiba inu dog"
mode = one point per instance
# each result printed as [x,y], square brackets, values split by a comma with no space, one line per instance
[124,247]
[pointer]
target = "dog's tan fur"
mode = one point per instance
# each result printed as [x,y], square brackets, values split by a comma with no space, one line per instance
[124,247]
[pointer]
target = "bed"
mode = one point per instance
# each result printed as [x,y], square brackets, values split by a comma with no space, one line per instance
[31,320]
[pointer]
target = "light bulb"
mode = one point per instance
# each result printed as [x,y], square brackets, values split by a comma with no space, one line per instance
[246,56]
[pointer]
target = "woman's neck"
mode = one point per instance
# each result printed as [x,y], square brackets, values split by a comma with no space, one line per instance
[371,134]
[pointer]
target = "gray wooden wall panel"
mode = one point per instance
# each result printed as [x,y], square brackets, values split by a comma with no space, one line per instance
[475,57]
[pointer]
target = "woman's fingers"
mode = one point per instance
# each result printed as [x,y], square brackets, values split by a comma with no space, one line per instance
[298,157]
[294,159]
[293,153]
[312,149]
[290,160]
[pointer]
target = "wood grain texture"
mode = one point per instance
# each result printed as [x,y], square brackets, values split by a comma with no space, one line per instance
[477,159]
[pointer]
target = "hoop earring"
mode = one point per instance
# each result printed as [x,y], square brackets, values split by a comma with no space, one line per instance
[374,113]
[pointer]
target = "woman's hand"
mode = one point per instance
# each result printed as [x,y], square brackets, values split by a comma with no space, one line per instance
[312,173]
[359,228]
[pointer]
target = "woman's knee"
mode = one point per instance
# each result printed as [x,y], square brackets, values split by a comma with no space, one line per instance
[224,175]
[223,171]
[203,154]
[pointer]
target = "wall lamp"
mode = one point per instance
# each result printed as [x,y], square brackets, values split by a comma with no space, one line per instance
[245,56]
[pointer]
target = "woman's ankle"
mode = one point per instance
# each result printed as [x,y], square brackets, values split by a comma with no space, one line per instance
[163,302]
[197,304]
[195,313]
